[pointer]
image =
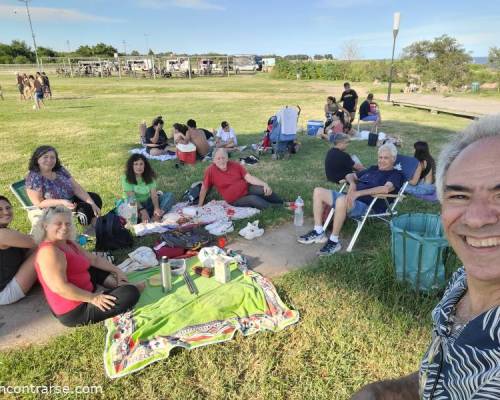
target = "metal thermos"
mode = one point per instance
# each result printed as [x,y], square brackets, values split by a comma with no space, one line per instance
[166,274]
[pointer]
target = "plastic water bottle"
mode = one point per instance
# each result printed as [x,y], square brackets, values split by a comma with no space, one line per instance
[132,204]
[298,218]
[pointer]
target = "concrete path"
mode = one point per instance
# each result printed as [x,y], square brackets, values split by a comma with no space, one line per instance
[30,321]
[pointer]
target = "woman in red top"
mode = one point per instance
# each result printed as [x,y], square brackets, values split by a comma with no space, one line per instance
[68,279]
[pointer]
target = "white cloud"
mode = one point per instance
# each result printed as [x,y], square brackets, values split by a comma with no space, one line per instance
[51,14]
[191,4]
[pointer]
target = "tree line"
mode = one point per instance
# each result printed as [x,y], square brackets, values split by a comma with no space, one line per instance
[442,61]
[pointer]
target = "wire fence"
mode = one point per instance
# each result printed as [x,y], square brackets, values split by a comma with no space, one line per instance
[152,67]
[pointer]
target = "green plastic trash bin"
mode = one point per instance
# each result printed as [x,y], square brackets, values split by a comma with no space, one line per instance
[419,250]
[475,87]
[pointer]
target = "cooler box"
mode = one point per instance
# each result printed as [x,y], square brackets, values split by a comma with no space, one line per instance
[313,126]
[186,153]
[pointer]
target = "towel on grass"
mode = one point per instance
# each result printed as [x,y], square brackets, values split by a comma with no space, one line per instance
[142,150]
[160,322]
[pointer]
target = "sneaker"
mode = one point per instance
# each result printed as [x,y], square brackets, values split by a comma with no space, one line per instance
[312,237]
[330,248]
[251,231]
[216,224]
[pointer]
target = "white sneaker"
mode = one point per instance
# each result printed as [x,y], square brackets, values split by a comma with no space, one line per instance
[216,224]
[252,231]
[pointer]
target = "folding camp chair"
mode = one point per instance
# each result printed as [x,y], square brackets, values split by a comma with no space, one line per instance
[19,190]
[407,165]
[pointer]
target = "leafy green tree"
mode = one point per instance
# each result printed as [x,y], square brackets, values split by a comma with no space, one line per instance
[46,52]
[494,60]
[442,60]
[135,53]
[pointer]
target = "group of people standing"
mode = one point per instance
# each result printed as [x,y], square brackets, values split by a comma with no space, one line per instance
[339,117]
[36,87]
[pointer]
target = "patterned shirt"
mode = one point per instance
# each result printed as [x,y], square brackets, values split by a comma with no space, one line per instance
[59,188]
[461,363]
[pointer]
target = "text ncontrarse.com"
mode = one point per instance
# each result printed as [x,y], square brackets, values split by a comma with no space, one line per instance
[50,389]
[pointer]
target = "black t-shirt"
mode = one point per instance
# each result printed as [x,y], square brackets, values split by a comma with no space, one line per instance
[364,109]
[337,165]
[10,261]
[162,137]
[349,98]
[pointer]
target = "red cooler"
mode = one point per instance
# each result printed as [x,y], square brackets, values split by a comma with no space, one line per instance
[186,153]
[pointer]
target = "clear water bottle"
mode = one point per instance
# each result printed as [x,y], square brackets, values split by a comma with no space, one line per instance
[298,218]
[132,204]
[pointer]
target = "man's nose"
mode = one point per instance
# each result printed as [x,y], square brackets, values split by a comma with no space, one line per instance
[479,213]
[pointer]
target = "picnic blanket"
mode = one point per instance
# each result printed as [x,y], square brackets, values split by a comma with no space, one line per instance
[142,150]
[210,212]
[160,322]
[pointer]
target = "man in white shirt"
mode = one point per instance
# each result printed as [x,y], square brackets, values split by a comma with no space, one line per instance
[225,137]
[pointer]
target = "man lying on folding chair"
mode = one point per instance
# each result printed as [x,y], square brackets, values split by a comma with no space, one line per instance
[380,179]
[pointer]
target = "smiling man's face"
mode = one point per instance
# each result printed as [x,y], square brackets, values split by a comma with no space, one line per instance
[471,208]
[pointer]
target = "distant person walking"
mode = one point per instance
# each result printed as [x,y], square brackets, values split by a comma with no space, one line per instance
[20,86]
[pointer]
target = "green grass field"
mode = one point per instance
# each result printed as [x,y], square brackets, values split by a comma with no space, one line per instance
[357,324]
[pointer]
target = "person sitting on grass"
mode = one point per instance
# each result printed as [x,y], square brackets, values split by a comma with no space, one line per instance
[156,140]
[378,179]
[337,162]
[49,184]
[236,185]
[69,275]
[179,133]
[198,138]
[17,272]
[331,108]
[225,137]
[369,111]
[425,184]
[139,181]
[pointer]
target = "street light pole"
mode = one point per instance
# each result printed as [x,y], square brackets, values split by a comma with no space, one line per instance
[32,33]
[395,30]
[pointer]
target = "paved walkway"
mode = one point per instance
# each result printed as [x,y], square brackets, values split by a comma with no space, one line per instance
[30,321]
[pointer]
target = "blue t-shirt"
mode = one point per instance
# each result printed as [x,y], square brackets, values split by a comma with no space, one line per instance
[373,177]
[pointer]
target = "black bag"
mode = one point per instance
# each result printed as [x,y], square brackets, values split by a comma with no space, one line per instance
[192,195]
[111,233]
[189,239]
[372,139]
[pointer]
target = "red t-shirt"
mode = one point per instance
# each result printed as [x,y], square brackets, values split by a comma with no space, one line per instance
[231,183]
[77,273]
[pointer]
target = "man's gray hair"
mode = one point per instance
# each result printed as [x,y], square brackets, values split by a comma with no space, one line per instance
[39,231]
[390,148]
[485,127]
[221,150]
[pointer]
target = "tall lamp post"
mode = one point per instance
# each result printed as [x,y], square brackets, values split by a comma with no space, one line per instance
[395,30]
[32,33]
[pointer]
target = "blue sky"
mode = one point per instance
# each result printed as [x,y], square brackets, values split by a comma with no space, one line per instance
[252,26]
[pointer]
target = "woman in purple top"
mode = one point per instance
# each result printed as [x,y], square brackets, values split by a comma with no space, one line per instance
[49,184]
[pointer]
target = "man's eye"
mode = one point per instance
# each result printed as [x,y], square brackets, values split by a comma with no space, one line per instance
[457,197]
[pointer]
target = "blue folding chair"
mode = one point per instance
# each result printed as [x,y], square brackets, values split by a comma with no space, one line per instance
[407,165]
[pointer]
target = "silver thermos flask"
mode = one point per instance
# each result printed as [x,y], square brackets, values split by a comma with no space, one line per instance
[166,274]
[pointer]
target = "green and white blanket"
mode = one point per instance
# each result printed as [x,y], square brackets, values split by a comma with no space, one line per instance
[249,303]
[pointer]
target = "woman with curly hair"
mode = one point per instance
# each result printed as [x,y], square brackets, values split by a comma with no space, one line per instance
[139,181]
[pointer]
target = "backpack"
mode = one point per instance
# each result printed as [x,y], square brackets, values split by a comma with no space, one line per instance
[190,240]
[111,233]
[192,195]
